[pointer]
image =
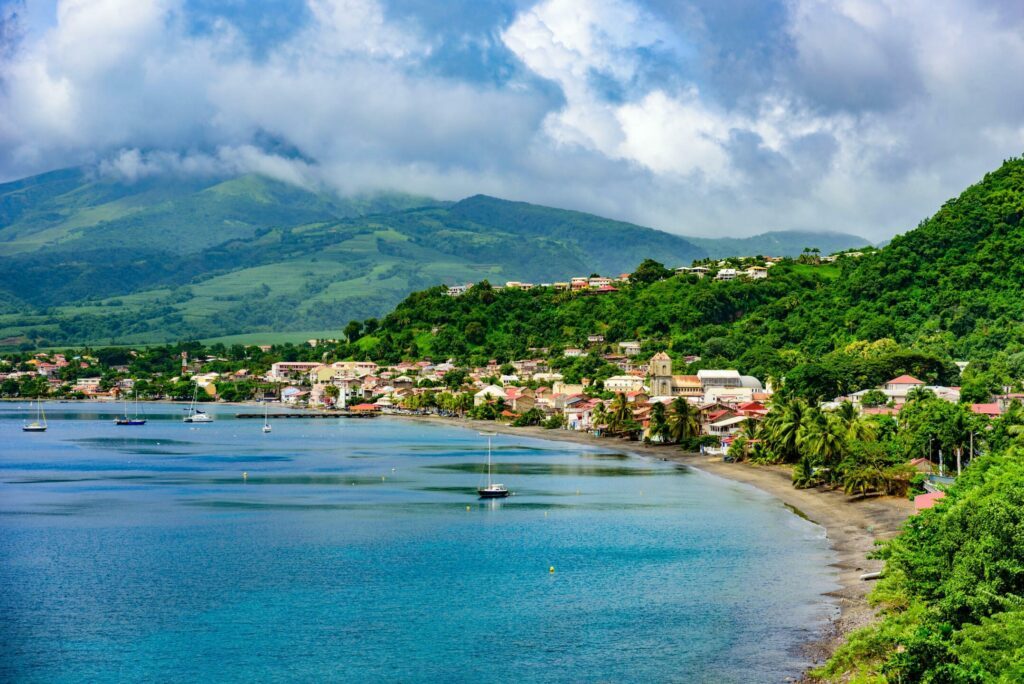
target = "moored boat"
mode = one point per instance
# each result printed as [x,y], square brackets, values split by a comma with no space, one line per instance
[493,490]
[125,420]
[39,424]
[194,414]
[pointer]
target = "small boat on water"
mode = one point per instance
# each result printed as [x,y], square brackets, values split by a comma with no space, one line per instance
[493,490]
[194,414]
[125,420]
[266,425]
[39,424]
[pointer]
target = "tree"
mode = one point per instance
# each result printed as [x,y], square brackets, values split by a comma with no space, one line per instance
[620,414]
[874,397]
[650,271]
[684,423]
[352,331]
[659,421]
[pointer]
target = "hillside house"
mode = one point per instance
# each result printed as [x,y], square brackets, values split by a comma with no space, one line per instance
[630,347]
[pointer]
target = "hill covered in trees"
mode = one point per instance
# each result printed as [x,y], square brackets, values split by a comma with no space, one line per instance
[947,290]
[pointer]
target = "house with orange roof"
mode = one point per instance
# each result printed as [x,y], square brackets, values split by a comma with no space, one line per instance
[992,410]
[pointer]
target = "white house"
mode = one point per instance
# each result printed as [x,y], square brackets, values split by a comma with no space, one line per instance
[624,383]
[726,274]
[489,393]
[630,348]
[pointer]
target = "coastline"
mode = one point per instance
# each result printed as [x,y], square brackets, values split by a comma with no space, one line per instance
[852,526]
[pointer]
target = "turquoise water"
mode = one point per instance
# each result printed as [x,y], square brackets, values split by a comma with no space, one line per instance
[348,554]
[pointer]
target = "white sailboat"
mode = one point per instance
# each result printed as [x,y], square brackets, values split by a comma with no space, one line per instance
[266,425]
[493,490]
[125,420]
[194,414]
[39,424]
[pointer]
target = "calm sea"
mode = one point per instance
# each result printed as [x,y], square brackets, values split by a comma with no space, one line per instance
[356,550]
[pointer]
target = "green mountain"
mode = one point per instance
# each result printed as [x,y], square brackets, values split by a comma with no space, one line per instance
[87,258]
[779,243]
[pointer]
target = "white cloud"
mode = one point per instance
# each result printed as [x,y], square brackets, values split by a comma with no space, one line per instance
[873,113]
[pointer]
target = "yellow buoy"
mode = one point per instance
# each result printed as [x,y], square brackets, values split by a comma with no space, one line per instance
[467,508]
[245,476]
[551,569]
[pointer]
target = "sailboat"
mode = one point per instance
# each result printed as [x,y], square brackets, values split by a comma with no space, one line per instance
[493,490]
[39,424]
[194,414]
[266,425]
[125,420]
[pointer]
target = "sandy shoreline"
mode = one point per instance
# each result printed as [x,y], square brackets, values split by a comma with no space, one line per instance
[851,526]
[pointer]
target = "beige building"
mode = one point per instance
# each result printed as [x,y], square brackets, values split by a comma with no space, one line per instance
[664,384]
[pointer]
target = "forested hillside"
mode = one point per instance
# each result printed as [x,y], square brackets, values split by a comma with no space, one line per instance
[946,291]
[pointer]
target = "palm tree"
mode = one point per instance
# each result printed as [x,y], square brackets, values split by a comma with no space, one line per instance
[783,427]
[803,474]
[919,393]
[860,481]
[847,411]
[861,429]
[659,423]
[822,439]
[620,413]
[750,428]
[684,422]
[598,415]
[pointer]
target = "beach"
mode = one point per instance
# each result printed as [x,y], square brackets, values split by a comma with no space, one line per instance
[852,526]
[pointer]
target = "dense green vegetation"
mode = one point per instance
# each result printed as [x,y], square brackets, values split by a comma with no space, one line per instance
[89,258]
[947,291]
[951,590]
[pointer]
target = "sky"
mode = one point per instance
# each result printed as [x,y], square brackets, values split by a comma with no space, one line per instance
[700,117]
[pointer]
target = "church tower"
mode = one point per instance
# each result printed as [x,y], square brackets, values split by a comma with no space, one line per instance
[661,375]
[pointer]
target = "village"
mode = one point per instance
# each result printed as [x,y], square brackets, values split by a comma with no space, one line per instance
[525,391]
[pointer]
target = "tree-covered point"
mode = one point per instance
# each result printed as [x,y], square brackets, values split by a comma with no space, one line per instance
[951,589]
[946,290]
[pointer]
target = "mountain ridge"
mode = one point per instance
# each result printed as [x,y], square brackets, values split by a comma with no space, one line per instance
[169,257]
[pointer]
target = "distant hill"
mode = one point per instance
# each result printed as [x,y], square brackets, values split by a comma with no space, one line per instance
[89,258]
[779,243]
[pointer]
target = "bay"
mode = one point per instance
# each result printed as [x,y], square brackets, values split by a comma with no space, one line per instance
[356,550]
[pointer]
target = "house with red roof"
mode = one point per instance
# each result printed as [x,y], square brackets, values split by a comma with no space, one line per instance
[753,408]
[992,410]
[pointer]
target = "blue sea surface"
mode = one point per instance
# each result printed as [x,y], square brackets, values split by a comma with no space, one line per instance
[357,551]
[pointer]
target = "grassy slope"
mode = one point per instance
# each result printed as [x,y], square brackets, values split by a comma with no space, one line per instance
[164,258]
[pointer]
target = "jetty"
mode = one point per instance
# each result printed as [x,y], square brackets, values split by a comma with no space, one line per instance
[318,414]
